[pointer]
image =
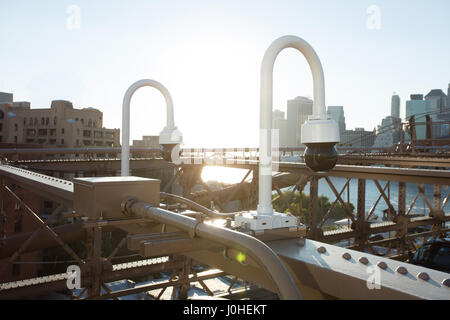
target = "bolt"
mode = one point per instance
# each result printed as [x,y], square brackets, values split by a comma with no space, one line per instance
[382,265]
[301,242]
[363,260]
[321,249]
[346,256]
[424,276]
[402,270]
[446,282]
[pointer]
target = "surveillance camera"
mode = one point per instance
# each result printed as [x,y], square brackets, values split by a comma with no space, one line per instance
[166,150]
[320,138]
[169,138]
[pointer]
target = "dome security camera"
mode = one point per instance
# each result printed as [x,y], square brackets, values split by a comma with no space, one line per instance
[320,138]
[169,138]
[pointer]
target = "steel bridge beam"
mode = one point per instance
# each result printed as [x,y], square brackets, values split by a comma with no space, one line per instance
[48,187]
[37,286]
[348,274]
[440,177]
[94,165]
[302,261]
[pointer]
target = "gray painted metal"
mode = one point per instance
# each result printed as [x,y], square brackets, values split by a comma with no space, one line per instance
[46,186]
[327,271]
[422,176]
[265,257]
[57,282]
[93,165]
[72,150]
[344,278]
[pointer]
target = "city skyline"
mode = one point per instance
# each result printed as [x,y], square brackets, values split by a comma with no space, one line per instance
[214,71]
[277,115]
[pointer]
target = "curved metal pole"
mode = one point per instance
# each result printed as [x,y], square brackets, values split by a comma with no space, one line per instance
[267,260]
[266,99]
[125,158]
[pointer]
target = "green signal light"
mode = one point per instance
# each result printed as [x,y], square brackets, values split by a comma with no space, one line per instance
[240,257]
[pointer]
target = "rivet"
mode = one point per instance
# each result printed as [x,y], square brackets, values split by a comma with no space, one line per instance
[382,265]
[321,249]
[424,276]
[301,242]
[446,282]
[346,256]
[401,270]
[363,260]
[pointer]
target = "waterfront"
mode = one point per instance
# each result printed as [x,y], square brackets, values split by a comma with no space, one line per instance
[231,175]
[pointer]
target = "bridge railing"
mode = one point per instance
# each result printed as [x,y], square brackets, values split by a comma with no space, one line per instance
[398,190]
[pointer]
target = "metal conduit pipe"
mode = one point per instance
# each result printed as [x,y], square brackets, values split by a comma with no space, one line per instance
[269,262]
[196,206]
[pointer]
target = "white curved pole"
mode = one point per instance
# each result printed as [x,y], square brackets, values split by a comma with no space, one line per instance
[266,99]
[125,160]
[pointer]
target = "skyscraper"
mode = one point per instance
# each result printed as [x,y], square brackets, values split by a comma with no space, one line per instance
[388,133]
[395,106]
[418,108]
[438,105]
[277,114]
[298,110]
[353,138]
[337,114]
[280,123]
[390,130]
[448,97]
[438,100]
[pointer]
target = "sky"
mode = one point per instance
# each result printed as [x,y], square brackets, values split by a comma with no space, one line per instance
[208,55]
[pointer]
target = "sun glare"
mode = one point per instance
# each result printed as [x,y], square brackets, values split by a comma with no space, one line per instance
[224,174]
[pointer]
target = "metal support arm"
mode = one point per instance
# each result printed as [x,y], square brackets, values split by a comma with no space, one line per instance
[266,100]
[125,165]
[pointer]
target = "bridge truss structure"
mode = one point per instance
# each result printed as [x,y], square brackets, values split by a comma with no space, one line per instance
[176,233]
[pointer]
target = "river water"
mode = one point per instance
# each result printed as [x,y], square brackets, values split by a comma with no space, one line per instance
[372,195]
[235,175]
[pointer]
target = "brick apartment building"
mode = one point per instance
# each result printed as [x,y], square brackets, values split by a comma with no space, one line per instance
[61,125]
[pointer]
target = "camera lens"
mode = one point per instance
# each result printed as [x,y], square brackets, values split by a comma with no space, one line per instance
[320,156]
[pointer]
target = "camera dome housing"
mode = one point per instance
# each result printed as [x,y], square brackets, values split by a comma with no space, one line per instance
[167,150]
[169,138]
[320,138]
[320,156]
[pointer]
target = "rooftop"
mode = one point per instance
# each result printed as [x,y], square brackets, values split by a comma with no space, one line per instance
[436,92]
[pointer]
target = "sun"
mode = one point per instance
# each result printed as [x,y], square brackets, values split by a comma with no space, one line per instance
[224,174]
